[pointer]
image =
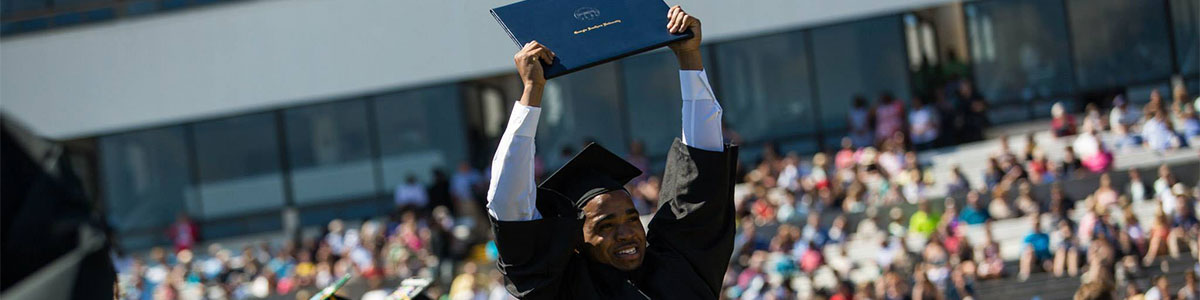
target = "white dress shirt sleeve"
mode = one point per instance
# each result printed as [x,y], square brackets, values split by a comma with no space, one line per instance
[511,192]
[701,112]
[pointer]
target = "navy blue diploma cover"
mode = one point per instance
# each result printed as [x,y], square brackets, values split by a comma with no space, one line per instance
[585,33]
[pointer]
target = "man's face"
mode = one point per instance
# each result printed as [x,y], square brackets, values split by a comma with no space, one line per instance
[613,232]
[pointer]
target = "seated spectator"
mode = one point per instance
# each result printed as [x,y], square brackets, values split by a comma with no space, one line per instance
[1133,237]
[811,258]
[1158,133]
[974,213]
[958,183]
[924,221]
[992,173]
[844,159]
[1061,123]
[1190,289]
[813,232]
[1070,164]
[1179,99]
[837,232]
[1092,119]
[1026,204]
[1039,168]
[1124,116]
[1154,106]
[923,288]
[860,123]
[1060,206]
[992,265]
[948,229]
[924,124]
[1031,146]
[889,117]
[1066,250]
[1100,161]
[999,207]
[891,155]
[1162,190]
[1189,123]
[1087,145]
[791,172]
[1105,194]
[1186,226]
[1160,291]
[1036,251]
[1136,189]
[1160,235]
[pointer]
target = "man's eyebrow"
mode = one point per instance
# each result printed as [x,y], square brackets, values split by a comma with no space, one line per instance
[604,217]
[632,211]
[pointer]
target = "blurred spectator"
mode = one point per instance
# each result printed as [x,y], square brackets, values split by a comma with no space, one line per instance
[1158,134]
[1105,194]
[1162,189]
[1160,290]
[1031,147]
[860,123]
[1123,116]
[958,183]
[1100,160]
[1179,98]
[1137,190]
[1061,123]
[1189,124]
[466,184]
[1155,106]
[1190,289]
[411,194]
[183,232]
[971,112]
[1070,164]
[991,265]
[1087,142]
[924,221]
[889,117]
[924,123]
[1160,235]
[1036,249]
[1066,250]
[974,213]
[1092,118]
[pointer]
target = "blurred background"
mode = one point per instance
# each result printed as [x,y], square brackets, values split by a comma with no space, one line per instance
[283,143]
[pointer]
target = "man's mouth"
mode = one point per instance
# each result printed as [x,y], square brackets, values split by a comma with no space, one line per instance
[628,252]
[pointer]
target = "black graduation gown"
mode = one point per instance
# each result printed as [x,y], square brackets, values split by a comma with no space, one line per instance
[690,240]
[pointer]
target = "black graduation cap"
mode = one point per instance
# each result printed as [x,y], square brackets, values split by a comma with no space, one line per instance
[592,172]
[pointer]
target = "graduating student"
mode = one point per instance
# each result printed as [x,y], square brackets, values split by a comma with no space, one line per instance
[578,236]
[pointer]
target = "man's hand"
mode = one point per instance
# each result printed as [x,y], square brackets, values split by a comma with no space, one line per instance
[686,51]
[530,70]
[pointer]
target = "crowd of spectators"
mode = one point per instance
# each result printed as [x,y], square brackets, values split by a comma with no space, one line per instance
[796,230]
[793,218]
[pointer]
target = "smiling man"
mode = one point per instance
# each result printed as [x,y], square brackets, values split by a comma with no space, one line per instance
[578,236]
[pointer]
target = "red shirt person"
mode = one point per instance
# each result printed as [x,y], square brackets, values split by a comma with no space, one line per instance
[183,232]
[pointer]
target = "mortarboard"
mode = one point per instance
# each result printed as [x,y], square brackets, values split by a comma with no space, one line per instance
[592,172]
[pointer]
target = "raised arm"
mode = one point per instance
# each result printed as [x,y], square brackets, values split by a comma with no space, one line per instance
[511,192]
[701,112]
[694,221]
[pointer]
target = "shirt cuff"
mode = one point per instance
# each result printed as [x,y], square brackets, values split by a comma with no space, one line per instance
[694,85]
[524,119]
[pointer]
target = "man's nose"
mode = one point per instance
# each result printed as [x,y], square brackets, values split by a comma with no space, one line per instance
[626,232]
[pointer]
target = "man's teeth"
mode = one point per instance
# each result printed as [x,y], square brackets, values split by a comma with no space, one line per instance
[628,251]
